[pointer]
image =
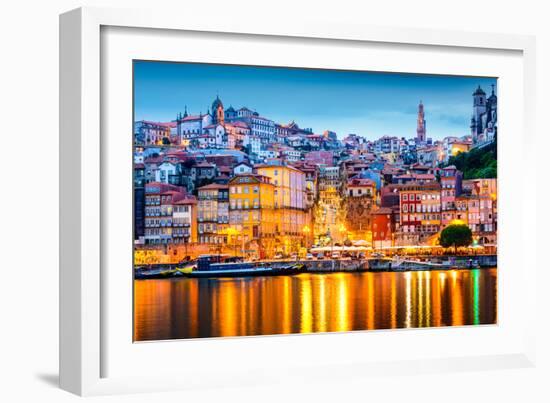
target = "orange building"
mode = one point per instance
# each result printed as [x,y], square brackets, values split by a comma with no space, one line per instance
[290,205]
[252,218]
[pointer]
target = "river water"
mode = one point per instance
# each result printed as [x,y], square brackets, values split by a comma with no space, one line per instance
[306,303]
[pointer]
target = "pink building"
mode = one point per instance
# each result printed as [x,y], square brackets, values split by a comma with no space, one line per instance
[451,187]
[319,157]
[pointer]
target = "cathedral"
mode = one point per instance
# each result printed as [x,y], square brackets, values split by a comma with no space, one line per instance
[484,119]
[211,130]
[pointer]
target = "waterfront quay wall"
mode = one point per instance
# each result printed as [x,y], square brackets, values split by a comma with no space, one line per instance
[327,266]
[383,264]
[461,262]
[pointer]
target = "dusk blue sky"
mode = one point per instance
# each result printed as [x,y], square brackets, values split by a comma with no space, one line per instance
[366,103]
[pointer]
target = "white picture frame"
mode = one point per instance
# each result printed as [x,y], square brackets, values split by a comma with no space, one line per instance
[83,194]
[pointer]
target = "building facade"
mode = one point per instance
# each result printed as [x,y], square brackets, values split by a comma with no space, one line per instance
[484,123]
[213,213]
[382,228]
[252,217]
[420,212]
[451,188]
[289,204]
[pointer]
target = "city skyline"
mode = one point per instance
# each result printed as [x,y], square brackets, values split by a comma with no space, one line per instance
[369,104]
[246,225]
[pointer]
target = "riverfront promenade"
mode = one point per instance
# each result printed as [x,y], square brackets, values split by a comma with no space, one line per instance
[340,265]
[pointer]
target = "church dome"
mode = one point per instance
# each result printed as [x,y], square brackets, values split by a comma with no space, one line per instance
[217,102]
[479,91]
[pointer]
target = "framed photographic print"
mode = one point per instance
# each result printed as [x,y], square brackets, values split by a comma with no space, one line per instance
[244,225]
[220,182]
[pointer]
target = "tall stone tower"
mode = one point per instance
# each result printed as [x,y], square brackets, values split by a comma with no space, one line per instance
[480,109]
[484,118]
[218,115]
[421,124]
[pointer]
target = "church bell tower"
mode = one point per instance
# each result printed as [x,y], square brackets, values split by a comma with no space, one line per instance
[421,124]
[218,114]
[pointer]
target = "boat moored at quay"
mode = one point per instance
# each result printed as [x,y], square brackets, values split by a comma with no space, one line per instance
[223,266]
[218,266]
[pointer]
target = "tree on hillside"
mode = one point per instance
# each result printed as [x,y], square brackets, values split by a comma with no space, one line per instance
[477,163]
[456,235]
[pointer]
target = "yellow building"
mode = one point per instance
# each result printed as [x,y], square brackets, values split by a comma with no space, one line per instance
[459,147]
[290,205]
[251,215]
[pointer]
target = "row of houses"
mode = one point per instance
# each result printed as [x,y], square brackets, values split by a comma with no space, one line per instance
[278,207]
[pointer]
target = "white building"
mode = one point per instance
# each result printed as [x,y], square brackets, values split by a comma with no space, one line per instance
[254,142]
[291,154]
[147,132]
[184,224]
[191,126]
[164,171]
[263,128]
[268,154]
[295,141]
[220,136]
[387,145]
[242,168]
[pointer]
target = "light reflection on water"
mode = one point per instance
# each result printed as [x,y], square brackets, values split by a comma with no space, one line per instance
[306,303]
